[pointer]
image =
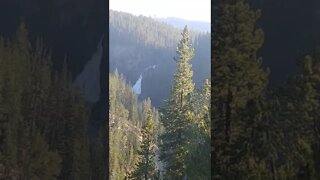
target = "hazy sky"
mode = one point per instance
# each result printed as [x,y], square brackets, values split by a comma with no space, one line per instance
[186,9]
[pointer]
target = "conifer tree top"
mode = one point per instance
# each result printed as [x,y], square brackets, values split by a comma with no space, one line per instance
[184,50]
[183,84]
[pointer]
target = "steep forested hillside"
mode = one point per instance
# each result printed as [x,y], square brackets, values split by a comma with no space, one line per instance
[126,118]
[137,42]
[43,118]
[172,144]
[71,30]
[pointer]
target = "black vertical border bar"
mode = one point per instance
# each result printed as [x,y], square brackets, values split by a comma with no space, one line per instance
[105,94]
[213,2]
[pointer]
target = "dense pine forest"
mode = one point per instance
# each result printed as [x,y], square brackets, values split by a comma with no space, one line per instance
[259,131]
[126,119]
[49,128]
[43,117]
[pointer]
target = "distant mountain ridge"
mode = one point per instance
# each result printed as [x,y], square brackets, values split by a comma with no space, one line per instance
[180,23]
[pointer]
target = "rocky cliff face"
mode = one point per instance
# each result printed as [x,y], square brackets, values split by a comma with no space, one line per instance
[75,30]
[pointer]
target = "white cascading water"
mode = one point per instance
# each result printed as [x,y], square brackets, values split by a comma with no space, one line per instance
[89,78]
[137,86]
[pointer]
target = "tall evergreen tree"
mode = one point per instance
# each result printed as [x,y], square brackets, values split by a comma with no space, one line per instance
[301,115]
[146,167]
[198,160]
[177,114]
[237,79]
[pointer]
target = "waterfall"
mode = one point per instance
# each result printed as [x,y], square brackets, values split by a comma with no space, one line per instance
[89,78]
[137,86]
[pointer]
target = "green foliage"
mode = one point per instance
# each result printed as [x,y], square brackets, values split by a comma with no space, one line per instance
[176,114]
[239,84]
[301,119]
[138,41]
[198,160]
[145,167]
[137,26]
[42,118]
[42,163]
[260,134]
[126,115]
[185,147]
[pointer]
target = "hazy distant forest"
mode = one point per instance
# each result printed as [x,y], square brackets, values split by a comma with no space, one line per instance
[137,42]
